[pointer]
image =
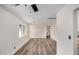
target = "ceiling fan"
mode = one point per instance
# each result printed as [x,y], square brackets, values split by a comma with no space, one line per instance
[34,6]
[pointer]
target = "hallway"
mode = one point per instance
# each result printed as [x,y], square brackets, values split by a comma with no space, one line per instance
[25,29]
[38,46]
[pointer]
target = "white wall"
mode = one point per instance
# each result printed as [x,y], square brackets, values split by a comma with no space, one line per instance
[65,27]
[37,31]
[9,31]
[78,20]
[53,32]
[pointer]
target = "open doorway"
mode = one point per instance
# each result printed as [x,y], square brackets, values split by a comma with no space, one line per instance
[76,31]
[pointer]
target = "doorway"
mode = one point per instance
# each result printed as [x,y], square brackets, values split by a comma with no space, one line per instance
[76,31]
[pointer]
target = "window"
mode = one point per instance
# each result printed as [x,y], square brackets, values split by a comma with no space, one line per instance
[21,30]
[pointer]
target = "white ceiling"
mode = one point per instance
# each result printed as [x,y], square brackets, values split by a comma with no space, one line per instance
[26,13]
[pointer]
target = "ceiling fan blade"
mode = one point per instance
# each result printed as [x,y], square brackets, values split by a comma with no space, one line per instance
[20,4]
[16,4]
[34,6]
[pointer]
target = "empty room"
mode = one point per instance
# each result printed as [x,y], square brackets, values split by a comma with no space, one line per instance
[39,29]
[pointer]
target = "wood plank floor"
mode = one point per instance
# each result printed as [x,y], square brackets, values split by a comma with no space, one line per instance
[38,46]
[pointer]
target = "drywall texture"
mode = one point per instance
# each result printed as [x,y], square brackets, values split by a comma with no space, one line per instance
[9,32]
[40,31]
[37,31]
[78,20]
[53,32]
[65,27]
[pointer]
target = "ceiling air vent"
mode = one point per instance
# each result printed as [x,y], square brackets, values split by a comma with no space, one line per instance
[51,18]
